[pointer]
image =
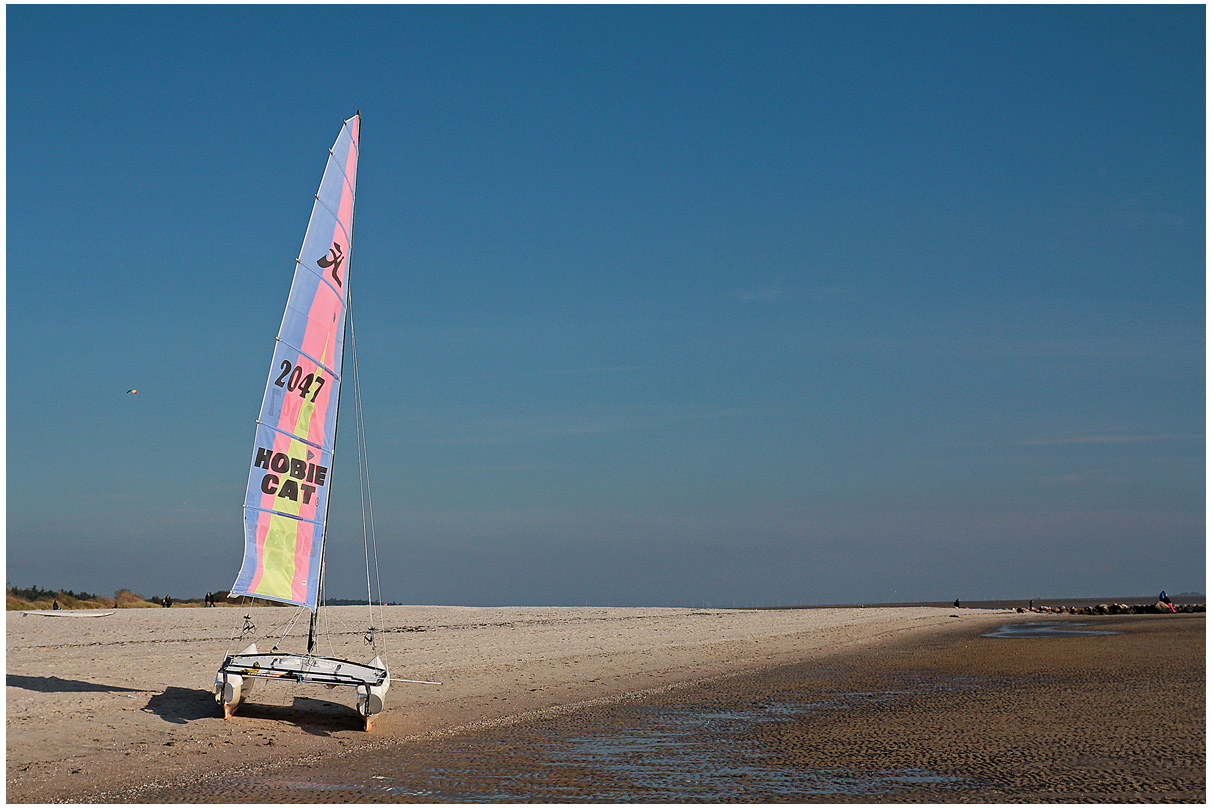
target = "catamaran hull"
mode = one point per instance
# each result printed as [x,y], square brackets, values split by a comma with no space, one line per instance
[230,687]
[372,697]
[236,675]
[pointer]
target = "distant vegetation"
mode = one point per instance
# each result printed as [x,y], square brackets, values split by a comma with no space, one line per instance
[35,593]
[352,602]
[35,597]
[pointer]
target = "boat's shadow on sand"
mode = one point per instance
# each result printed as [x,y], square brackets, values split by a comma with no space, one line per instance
[180,705]
[53,684]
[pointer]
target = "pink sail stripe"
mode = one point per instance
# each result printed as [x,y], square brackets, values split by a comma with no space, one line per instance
[262,532]
[303,538]
[328,308]
[320,343]
[298,586]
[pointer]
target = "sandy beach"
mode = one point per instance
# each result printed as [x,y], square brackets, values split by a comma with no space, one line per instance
[1105,710]
[104,708]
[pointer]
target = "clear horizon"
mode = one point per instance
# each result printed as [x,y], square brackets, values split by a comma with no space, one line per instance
[655,305]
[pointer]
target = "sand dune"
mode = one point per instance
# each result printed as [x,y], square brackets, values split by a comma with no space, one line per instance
[100,708]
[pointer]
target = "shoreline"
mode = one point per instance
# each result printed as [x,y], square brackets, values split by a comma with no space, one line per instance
[101,709]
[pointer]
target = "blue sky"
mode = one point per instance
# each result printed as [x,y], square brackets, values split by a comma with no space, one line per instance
[655,305]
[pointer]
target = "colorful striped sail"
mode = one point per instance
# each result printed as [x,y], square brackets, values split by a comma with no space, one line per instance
[287,499]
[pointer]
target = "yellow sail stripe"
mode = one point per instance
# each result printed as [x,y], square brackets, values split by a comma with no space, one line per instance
[281,540]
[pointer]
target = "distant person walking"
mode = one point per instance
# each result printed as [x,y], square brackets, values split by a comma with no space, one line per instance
[957,603]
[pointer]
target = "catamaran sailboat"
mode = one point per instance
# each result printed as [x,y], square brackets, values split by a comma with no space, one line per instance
[286,504]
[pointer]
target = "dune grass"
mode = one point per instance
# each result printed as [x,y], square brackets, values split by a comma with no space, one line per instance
[36,598]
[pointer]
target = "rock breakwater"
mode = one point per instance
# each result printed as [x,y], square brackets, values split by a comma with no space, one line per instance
[1118,608]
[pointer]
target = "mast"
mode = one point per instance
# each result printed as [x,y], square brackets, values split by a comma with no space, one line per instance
[346,326]
[315,613]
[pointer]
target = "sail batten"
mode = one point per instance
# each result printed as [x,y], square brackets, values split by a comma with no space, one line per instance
[333,371]
[293,435]
[301,266]
[286,502]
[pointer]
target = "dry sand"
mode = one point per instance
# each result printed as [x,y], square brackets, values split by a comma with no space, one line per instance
[106,707]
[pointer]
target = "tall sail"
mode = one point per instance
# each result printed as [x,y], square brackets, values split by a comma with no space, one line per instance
[286,504]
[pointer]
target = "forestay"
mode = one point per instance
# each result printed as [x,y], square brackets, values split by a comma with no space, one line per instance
[286,504]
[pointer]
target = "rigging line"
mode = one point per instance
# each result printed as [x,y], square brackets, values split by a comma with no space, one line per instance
[362,477]
[359,422]
[320,606]
[239,618]
[327,628]
[289,626]
[374,549]
[335,617]
[369,518]
[368,512]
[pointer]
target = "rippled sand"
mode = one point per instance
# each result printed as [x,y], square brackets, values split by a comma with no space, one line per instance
[104,709]
[947,716]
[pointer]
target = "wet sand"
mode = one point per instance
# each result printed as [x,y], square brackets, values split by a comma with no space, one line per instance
[1109,718]
[943,716]
[111,708]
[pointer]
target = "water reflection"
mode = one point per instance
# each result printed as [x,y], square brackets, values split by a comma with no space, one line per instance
[700,750]
[695,755]
[1058,629]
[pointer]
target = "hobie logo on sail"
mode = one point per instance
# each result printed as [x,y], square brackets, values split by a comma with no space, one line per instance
[334,258]
[301,477]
